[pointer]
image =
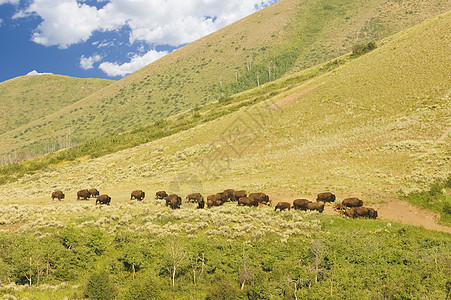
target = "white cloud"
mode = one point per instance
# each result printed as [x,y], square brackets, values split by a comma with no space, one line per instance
[172,22]
[137,62]
[87,63]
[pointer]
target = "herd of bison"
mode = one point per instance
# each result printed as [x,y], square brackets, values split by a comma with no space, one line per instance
[350,207]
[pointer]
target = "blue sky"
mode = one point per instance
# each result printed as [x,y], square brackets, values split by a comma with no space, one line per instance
[105,38]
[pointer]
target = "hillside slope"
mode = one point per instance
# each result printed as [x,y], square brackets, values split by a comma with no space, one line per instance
[30,98]
[375,125]
[285,37]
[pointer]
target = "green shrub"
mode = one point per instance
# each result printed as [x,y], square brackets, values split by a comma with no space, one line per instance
[100,287]
[360,49]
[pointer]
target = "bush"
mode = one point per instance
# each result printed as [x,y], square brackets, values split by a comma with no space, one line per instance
[143,288]
[100,287]
[360,49]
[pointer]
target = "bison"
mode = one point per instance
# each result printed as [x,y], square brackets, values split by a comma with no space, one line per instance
[138,195]
[282,206]
[325,197]
[352,202]
[229,194]
[238,194]
[58,195]
[260,198]
[201,203]
[93,193]
[300,204]
[173,201]
[103,199]
[247,201]
[161,195]
[83,194]
[372,213]
[350,212]
[339,207]
[215,200]
[316,206]
[194,197]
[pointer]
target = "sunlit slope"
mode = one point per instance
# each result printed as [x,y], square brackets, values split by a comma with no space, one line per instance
[375,125]
[287,36]
[28,98]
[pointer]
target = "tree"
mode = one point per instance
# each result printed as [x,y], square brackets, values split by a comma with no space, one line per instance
[317,251]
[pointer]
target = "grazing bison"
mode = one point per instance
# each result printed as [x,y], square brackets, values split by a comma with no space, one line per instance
[93,193]
[260,198]
[247,201]
[161,195]
[201,203]
[362,212]
[372,213]
[173,201]
[238,194]
[350,212]
[325,197]
[300,204]
[138,195]
[194,197]
[319,206]
[103,199]
[83,194]
[58,195]
[229,194]
[352,202]
[215,200]
[282,206]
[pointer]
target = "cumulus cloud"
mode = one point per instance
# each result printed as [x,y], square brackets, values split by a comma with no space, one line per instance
[87,63]
[171,22]
[137,62]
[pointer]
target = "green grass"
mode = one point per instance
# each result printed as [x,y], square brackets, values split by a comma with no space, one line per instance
[293,35]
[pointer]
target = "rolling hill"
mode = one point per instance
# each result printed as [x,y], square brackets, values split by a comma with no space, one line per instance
[283,38]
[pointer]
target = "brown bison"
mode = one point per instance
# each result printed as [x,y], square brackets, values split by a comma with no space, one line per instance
[350,212]
[194,197]
[366,212]
[238,194]
[282,206]
[161,195]
[300,204]
[319,206]
[58,195]
[173,201]
[201,203]
[229,194]
[261,198]
[103,199]
[247,201]
[93,193]
[362,212]
[215,200]
[138,195]
[325,197]
[372,213]
[83,194]
[352,202]
[339,207]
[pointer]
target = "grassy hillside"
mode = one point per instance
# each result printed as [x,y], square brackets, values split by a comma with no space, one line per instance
[287,36]
[30,98]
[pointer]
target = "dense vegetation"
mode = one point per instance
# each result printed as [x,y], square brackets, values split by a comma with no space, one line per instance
[223,253]
[437,198]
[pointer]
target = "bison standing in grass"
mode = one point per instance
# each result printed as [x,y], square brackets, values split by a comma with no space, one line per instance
[93,193]
[260,198]
[173,201]
[301,204]
[58,195]
[103,199]
[194,197]
[318,206]
[215,200]
[161,195]
[229,194]
[138,195]
[365,212]
[282,206]
[239,194]
[352,202]
[247,201]
[325,197]
[83,194]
